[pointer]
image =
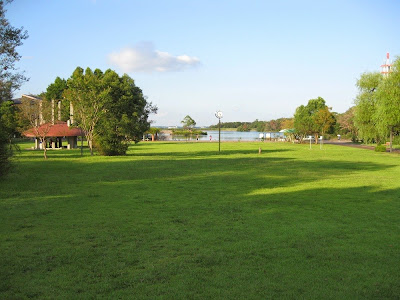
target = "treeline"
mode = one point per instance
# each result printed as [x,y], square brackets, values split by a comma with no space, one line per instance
[257,125]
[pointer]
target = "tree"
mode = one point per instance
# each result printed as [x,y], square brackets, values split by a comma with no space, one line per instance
[7,129]
[55,92]
[324,120]
[33,113]
[110,109]
[88,95]
[188,123]
[10,39]
[345,123]
[126,114]
[10,80]
[287,123]
[154,131]
[365,118]
[244,127]
[388,103]
[305,118]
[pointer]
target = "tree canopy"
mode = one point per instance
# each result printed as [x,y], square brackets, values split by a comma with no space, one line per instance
[313,119]
[110,109]
[10,39]
[366,103]
[377,110]
[188,123]
[10,80]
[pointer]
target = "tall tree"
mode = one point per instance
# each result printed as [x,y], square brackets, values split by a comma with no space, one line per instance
[366,105]
[345,123]
[324,120]
[125,117]
[305,118]
[55,92]
[10,80]
[388,103]
[7,130]
[10,39]
[188,123]
[34,112]
[110,109]
[88,94]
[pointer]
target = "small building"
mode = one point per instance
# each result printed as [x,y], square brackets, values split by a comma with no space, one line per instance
[54,134]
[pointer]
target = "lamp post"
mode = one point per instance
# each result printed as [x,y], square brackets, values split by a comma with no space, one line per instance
[218,114]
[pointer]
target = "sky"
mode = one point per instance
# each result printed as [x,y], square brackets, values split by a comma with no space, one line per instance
[249,59]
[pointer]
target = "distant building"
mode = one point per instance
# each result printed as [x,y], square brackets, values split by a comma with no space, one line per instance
[54,130]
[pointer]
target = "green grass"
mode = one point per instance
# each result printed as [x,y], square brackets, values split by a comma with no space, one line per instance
[179,221]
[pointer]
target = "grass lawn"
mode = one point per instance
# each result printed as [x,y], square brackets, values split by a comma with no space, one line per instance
[178,220]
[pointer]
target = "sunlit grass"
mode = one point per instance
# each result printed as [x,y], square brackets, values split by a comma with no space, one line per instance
[180,220]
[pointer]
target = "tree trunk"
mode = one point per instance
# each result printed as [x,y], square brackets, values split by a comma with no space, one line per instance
[90,147]
[44,145]
[316,138]
[391,139]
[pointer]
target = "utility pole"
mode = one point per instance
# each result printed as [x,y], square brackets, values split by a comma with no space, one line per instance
[219,115]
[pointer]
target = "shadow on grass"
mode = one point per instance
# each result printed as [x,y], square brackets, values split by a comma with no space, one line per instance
[225,152]
[174,239]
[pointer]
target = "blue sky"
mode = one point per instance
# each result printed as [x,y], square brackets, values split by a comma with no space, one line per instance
[249,59]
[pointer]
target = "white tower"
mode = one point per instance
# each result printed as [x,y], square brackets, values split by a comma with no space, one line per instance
[386,68]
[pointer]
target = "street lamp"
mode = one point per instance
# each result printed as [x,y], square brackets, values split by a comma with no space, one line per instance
[218,114]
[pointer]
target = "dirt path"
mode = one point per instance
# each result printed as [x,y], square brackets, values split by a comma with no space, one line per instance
[349,143]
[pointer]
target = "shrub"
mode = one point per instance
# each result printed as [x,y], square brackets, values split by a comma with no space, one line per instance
[380,148]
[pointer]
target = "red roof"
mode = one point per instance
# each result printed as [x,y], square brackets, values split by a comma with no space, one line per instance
[54,130]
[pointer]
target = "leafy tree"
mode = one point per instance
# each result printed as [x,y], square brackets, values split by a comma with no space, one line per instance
[88,94]
[323,120]
[366,106]
[110,109]
[305,118]
[33,113]
[287,123]
[125,118]
[10,39]
[188,123]
[10,80]
[55,92]
[388,103]
[345,123]
[244,127]
[154,131]
[8,124]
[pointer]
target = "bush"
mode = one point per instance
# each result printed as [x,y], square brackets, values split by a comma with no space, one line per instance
[380,148]
[111,145]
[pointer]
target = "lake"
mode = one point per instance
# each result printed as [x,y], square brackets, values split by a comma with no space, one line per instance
[232,136]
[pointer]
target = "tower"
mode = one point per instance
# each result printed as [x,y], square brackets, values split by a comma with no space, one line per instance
[386,68]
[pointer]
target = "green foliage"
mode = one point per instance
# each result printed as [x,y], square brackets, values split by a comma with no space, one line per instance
[313,119]
[380,148]
[188,123]
[111,109]
[5,152]
[55,91]
[10,39]
[244,128]
[377,111]
[261,126]
[365,110]
[387,112]
[345,123]
[10,80]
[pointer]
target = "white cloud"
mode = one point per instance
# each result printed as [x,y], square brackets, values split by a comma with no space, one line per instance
[143,57]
